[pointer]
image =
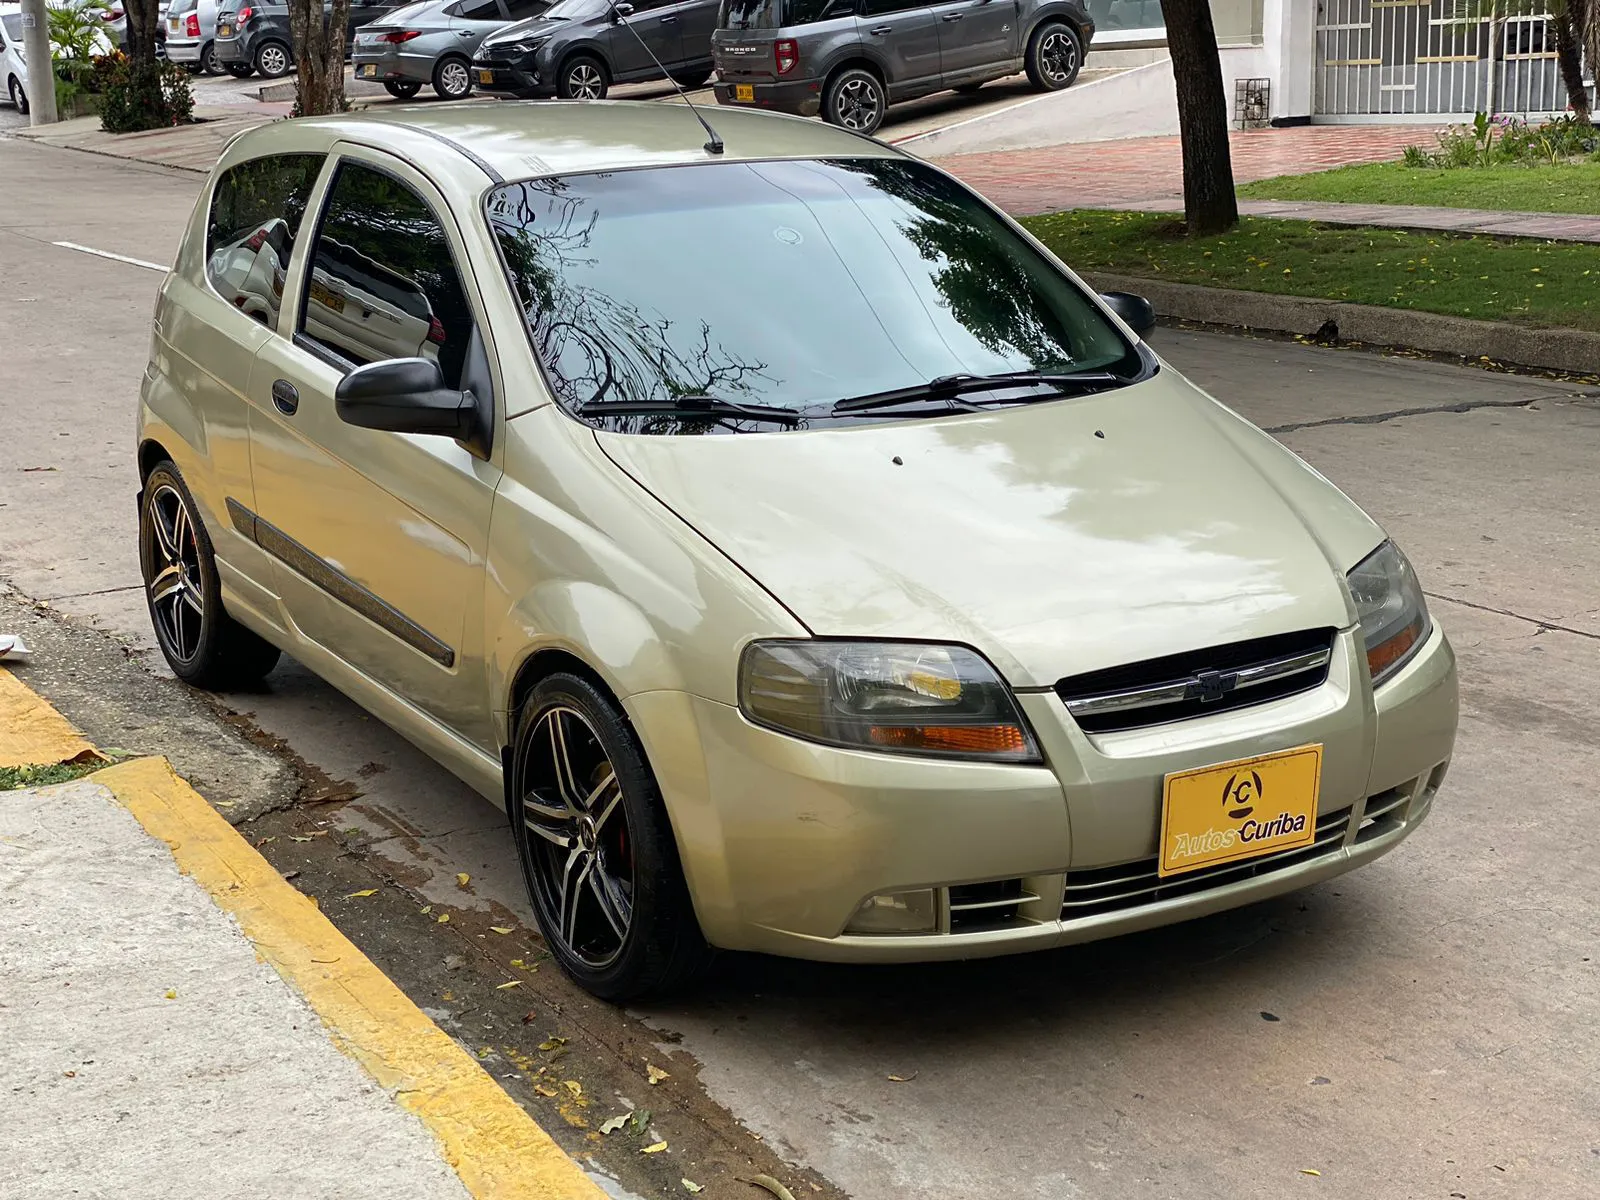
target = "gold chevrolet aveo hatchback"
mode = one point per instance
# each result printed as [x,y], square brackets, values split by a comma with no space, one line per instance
[806,560]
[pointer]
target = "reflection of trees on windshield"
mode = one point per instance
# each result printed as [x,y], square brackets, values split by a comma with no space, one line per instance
[600,348]
[979,269]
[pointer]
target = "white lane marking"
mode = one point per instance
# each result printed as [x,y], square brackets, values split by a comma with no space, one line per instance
[138,262]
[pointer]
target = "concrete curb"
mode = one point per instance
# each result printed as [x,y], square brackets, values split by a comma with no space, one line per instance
[1568,350]
[496,1149]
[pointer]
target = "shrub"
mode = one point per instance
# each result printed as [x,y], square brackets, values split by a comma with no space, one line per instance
[142,95]
[1509,140]
[75,36]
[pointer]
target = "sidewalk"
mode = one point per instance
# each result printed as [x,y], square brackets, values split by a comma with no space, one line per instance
[181,1022]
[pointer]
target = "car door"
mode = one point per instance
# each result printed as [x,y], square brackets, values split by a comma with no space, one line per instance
[471,21]
[903,35]
[658,25]
[697,21]
[978,39]
[378,538]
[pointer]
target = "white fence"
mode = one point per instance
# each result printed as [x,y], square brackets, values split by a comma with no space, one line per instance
[1431,59]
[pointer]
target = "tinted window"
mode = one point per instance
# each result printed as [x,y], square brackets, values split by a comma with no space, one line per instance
[477,10]
[749,14]
[12,23]
[383,283]
[521,10]
[256,210]
[853,277]
[878,8]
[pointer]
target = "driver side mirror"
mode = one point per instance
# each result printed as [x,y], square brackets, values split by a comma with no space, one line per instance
[408,395]
[620,13]
[1137,313]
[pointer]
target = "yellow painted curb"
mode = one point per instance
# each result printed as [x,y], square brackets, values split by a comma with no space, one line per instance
[31,732]
[495,1147]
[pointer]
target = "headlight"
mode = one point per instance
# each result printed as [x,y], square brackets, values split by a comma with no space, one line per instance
[889,696]
[1394,615]
[529,46]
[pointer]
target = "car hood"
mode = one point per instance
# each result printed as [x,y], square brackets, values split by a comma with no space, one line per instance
[1056,538]
[532,27]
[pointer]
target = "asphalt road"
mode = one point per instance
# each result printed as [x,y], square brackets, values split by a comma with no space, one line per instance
[1435,1012]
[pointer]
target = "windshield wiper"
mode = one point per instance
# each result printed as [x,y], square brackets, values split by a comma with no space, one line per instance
[952,387]
[694,405]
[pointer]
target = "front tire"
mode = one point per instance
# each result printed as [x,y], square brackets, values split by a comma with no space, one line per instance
[202,644]
[19,98]
[273,60]
[209,63]
[855,99]
[597,850]
[402,89]
[451,78]
[583,77]
[1055,56]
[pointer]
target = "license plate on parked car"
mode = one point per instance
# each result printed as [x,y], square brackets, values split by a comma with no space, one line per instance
[1240,809]
[369,71]
[744,91]
[224,30]
[485,76]
[327,297]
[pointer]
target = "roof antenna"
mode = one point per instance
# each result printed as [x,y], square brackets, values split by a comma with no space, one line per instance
[620,13]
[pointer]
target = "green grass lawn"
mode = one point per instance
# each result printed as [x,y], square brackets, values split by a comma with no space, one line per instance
[43,776]
[1549,284]
[1568,188]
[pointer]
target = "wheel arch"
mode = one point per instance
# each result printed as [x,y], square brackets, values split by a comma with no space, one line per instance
[857,58]
[586,50]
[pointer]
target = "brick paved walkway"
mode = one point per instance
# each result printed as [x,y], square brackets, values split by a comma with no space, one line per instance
[1138,172]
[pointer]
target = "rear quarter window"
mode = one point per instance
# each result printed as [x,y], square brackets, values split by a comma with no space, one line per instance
[257,208]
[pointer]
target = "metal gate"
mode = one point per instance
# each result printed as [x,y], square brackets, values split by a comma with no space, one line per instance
[1431,59]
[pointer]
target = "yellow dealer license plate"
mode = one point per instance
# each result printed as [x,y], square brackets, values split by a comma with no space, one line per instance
[1238,810]
[369,71]
[485,76]
[224,30]
[744,91]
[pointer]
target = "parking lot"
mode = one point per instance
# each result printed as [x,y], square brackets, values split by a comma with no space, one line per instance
[1422,1028]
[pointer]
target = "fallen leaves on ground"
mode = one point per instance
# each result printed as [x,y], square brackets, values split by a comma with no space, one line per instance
[443,918]
[172,993]
[462,879]
[612,1124]
[551,1043]
[529,1017]
[692,1187]
[501,930]
[904,1078]
[656,1074]
[658,1147]
[546,1091]
[771,1185]
[510,983]
[363,892]
[573,1086]
[1310,1171]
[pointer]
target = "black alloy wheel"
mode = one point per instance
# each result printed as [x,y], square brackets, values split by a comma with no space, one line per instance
[1054,57]
[854,99]
[583,77]
[202,644]
[597,850]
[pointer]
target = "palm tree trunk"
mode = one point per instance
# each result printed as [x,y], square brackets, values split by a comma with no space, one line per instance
[1569,20]
[1209,202]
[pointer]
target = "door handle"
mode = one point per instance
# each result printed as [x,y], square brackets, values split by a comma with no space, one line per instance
[880,30]
[285,397]
[669,20]
[463,33]
[953,16]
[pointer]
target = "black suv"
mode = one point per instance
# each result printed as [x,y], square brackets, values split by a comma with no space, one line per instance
[851,59]
[254,36]
[576,49]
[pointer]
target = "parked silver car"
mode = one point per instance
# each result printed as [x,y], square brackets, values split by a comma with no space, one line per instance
[432,42]
[192,35]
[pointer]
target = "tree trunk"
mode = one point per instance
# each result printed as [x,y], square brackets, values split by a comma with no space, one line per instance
[139,44]
[1209,203]
[1569,21]
[319,56]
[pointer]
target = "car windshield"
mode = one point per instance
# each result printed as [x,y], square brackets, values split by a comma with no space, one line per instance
[574,10]
[790,284]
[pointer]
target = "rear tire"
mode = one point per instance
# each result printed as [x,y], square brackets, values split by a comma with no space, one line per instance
[855,99]
[689,80]
[597,850]
[583,77]
[273,60]
[451,78]
[202,644]
[402,89]
[1055,55]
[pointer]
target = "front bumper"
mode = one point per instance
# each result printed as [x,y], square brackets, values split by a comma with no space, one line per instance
[517,78]
[783,840]
[802,97]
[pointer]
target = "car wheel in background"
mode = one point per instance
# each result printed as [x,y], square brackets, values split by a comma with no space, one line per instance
[1054,57]
[854,99]
[209,63]
[583,77]
[273,60]
[689,80]
[239,70]
[402,89]
[202,644]
[597,850]
[451,78]
[19,98]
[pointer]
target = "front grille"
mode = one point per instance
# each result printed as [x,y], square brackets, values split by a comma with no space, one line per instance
[975,906]
[1177,687]
[1133,885]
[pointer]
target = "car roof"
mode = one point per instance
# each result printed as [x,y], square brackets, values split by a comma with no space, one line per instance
[526,138]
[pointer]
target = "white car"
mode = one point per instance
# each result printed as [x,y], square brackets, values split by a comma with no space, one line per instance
[13,55]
